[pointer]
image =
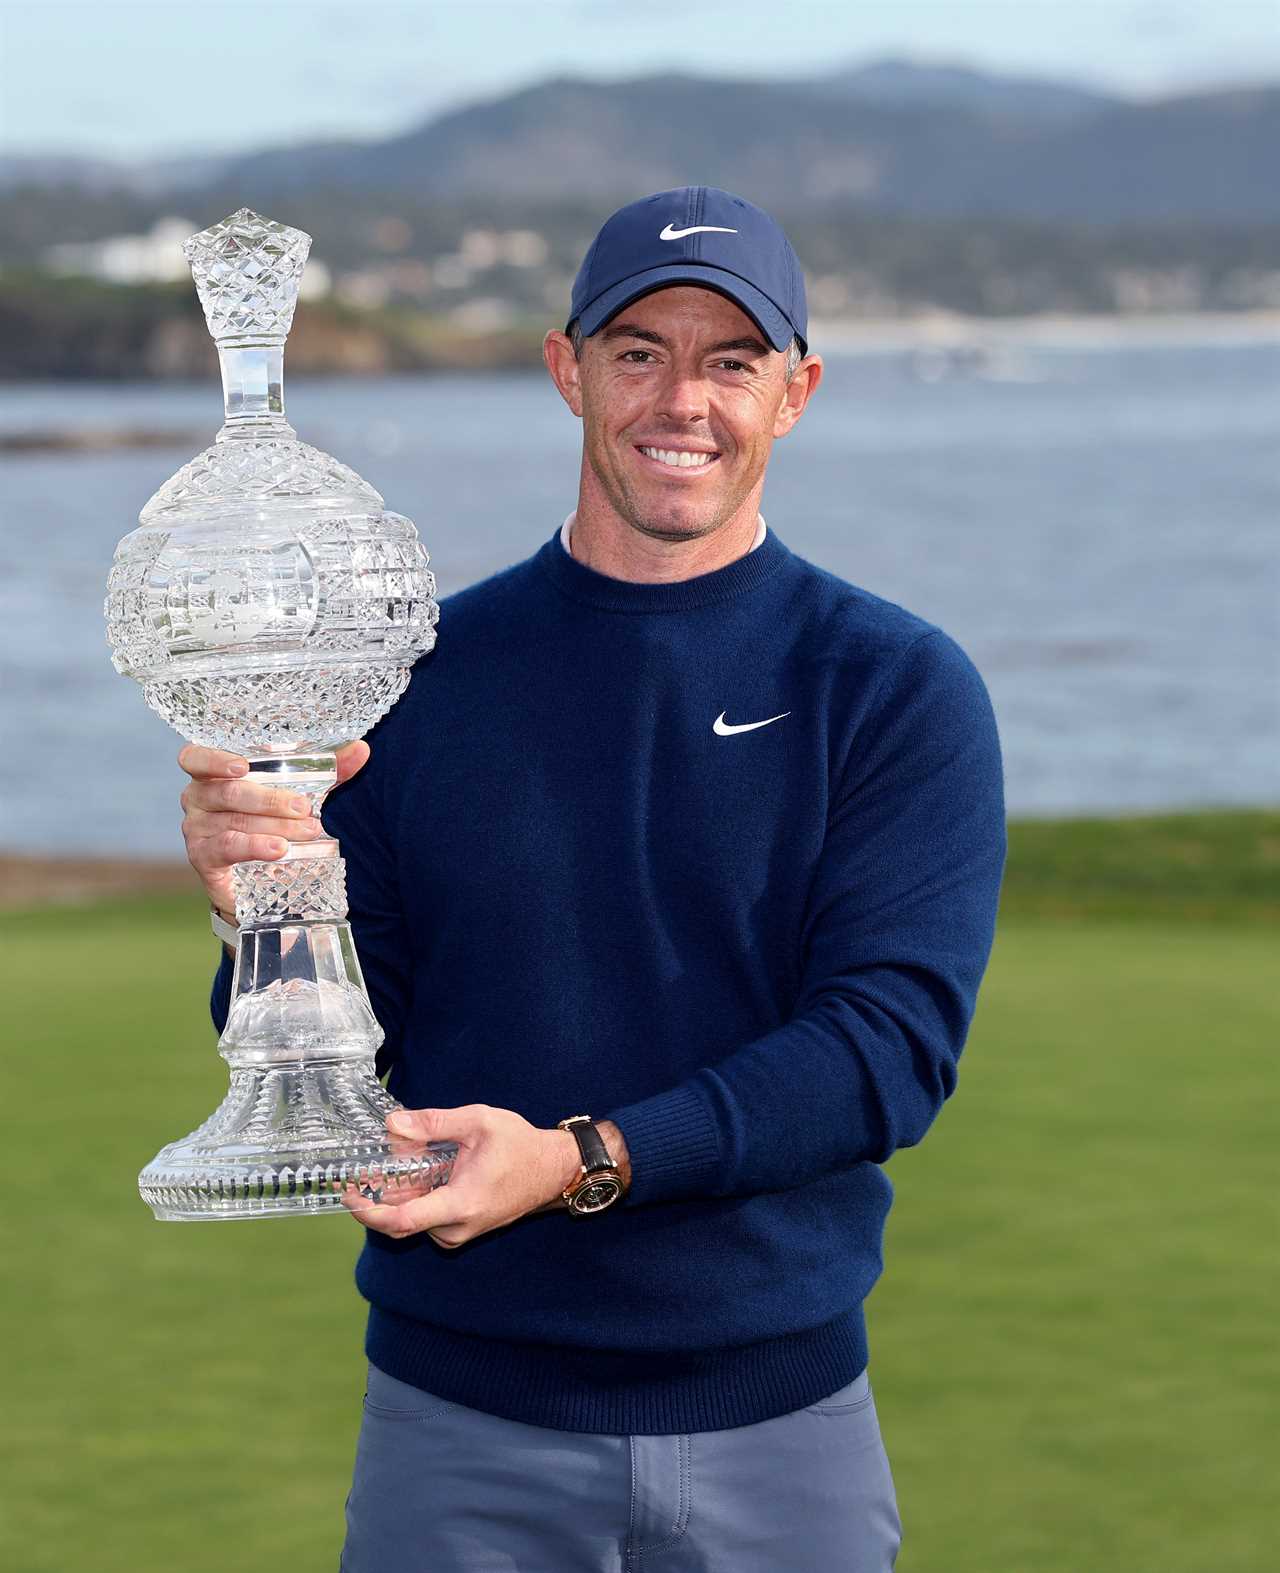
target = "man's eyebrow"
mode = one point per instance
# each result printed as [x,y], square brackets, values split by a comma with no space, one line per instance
[629,330]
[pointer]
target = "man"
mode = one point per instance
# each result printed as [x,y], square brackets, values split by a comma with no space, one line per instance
[679,832]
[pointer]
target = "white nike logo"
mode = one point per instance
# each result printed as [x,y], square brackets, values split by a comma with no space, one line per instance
[723,728]
[679,234]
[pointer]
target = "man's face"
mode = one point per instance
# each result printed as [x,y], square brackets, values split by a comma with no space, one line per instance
[681,399]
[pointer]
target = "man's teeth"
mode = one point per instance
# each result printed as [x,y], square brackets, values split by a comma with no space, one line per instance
[685,460]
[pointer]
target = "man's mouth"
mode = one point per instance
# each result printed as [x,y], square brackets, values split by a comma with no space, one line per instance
[680,458]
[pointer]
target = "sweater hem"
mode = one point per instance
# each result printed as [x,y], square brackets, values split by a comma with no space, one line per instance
[621,1392]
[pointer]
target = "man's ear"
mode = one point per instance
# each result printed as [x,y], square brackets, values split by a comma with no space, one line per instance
[808,374]
[565,369]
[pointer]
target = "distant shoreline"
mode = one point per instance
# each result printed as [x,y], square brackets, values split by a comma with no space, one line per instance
[932,334]
[1045,330]
[75,880]
[98,439]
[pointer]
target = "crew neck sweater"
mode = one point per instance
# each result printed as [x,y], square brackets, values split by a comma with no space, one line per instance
[717,860]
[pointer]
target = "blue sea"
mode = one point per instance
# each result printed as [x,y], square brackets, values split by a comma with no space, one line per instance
[1097,524]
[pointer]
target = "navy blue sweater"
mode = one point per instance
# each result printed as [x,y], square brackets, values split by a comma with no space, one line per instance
[758,953]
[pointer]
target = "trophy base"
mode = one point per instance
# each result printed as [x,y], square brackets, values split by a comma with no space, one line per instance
[286,1142]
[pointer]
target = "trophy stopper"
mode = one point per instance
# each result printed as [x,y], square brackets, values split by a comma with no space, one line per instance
[247,271]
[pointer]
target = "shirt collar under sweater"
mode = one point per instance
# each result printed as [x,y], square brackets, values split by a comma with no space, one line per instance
[575,579]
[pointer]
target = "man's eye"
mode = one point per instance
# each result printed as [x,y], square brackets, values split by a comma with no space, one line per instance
[646,356]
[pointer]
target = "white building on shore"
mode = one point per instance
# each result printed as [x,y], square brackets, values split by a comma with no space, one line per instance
[153,258]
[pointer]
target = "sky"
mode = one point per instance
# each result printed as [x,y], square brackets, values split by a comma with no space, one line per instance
[143,80]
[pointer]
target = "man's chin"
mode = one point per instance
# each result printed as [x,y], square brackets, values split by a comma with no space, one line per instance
[676,523]
[667,531]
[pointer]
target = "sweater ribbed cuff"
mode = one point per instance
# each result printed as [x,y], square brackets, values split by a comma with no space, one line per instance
[673,1145]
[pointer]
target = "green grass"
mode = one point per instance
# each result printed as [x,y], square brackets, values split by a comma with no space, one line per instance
[1207,866]
[1073,1345]
[176,1397]
[1071,1349]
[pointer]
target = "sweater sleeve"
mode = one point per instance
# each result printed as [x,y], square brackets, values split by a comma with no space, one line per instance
[898,929]
[353,813]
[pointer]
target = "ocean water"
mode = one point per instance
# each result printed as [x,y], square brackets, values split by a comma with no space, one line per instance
[1098,526]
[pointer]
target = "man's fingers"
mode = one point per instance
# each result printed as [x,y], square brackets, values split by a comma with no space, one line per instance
[246,797]
[198,825]
[197,761]
[233,846]
[351,757]
[435,1210]
[215,764]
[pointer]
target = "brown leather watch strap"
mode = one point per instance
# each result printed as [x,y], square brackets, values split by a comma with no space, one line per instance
[600,1185]
[595,1155]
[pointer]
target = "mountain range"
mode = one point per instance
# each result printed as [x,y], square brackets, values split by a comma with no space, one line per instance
[892,136]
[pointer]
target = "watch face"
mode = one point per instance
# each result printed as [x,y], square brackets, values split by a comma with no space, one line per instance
[597,1194]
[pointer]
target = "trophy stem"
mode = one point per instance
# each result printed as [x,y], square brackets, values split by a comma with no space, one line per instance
[297,993]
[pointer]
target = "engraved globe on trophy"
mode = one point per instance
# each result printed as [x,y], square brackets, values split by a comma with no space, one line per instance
[270,605]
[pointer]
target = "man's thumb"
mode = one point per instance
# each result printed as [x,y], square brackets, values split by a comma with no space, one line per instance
[414,1122]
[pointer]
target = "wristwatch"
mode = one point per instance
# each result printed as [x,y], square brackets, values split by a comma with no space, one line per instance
[599,1185]
[226,932]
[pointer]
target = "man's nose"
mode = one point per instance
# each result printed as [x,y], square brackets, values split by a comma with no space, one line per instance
[682,396]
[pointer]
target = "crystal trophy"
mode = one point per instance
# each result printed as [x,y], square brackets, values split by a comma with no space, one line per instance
[270,605]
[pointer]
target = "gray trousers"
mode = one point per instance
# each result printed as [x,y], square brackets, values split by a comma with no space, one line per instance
[441,1488]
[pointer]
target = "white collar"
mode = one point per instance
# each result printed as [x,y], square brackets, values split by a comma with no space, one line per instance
[567,526]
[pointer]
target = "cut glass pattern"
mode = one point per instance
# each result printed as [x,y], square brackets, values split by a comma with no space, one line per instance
[284,470]
[269,604]
[247,270]
[306,888]
[281,1144]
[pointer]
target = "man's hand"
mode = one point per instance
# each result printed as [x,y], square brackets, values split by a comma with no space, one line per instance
[230,819]
[506,1168]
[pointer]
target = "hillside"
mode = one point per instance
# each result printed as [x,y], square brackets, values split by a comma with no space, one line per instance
[890,136]
[809,147]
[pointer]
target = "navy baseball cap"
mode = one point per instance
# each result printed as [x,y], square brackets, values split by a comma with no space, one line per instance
[694,235]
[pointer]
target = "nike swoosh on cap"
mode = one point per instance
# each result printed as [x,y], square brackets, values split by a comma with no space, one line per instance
[723,728]
[678,234]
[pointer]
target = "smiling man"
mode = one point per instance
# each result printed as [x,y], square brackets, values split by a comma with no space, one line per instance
[674,877]
[681,401]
